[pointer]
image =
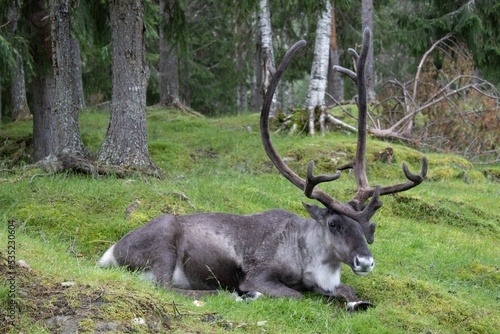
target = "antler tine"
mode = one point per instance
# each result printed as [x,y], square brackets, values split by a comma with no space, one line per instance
[414,179]
[367,214]
[359,164]
[312,181]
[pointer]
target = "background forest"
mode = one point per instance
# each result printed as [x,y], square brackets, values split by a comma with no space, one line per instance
[172,88]
[432,79]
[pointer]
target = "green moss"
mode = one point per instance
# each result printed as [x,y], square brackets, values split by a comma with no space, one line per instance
[492,173]
[436,245]
[454,213]
[86,325]
[450,160]
[471,176]
[440,173]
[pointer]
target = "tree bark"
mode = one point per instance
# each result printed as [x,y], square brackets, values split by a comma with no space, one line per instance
[126,143]
[45,141]
[319,69]
[20,107]
[66,100]
[367,22]
[256,79]
[242,102]
[168,64]
[266,52]
[77,72]
[335,79]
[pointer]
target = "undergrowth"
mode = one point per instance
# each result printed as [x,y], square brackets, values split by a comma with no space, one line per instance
[436,246]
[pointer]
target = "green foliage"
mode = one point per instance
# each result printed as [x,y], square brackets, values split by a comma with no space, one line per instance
[88,18]
[436,246]
[474,21]
[7,55]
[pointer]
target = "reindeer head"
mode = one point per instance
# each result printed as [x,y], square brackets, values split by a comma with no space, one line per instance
[356,209]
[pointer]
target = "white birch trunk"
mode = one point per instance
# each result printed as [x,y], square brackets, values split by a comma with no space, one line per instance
[319,69]
[266,51]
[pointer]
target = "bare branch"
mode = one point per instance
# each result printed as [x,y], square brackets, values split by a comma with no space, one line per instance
[338,122]
[422,61]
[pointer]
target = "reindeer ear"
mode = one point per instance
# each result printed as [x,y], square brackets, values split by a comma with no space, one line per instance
[316,213]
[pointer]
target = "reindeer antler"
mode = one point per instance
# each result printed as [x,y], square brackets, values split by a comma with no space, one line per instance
[359,165]
[355,209]
[362,217]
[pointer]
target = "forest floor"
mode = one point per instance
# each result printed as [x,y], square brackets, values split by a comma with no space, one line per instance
[436,247]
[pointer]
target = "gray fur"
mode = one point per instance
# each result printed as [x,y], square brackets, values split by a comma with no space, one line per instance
[275,252]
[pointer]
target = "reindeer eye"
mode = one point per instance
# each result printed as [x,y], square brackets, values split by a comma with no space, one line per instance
[333,223]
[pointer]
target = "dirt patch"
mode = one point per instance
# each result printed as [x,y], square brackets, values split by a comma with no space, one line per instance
[73,307]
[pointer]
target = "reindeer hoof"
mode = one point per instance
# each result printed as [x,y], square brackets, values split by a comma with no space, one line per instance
[358,306]
[251,295]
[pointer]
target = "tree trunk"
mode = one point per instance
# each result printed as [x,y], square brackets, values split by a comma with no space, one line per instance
[335,79]
[45,141]
[20,107]
[266,52]
[242,102]
[126,143]
[319,69]
[66,101]
[256,79]
[77,72]
[367,22]
[292,96]
[168,64]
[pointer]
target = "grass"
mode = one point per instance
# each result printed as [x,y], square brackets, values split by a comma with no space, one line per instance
[436,247]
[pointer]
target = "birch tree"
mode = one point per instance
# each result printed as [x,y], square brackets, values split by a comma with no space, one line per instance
[319,69]
[265,52]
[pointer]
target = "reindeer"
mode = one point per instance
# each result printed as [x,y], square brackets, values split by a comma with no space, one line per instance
[274,253]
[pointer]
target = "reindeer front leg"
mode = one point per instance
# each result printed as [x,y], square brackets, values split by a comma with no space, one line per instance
[346,292]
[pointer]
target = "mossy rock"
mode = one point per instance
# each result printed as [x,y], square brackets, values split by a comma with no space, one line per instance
[440,173]
[492,173]
[472,176]
[450,160]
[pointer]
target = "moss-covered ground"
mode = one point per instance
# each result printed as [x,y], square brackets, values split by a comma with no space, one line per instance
[437,247]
